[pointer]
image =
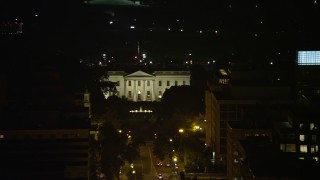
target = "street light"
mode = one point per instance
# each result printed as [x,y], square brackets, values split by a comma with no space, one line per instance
[181,130]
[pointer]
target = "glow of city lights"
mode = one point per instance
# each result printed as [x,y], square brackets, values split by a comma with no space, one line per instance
[181,30]
[181,130]
[175,159]
[110,22]
[169,29]
[271,62]
[132,27]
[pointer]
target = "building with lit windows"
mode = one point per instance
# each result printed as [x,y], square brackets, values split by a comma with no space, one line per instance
[142,86]
[233,99]
[307,73]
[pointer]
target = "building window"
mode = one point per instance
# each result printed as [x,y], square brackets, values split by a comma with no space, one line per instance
[139,83]
[311,126]
[168,83]
[290,148]
[129,83]
[160,83]
[302,137]
[148,83]
[301,125]
[118,83]
[313,138]
[129,94]
[184,83]
[303,148]
[148,95]
[313,148]
[176,83]
[160,94]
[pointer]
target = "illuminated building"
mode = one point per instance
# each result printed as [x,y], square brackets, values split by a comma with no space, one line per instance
[142,86]
[226,103]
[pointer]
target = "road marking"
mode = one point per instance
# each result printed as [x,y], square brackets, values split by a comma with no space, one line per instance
[152,166]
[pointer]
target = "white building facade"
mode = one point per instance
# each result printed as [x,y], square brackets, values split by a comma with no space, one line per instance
[141,86]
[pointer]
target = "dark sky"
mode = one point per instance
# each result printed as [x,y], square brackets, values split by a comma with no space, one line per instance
[225,29]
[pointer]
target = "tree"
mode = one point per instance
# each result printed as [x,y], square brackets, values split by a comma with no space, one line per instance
[115,151]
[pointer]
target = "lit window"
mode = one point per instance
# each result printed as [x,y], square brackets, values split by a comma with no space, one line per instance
[308,57]
[283,147]
[300,125]
[290,148]
[311,126]
[160,94]
[1,136]
[302,137]
[315,158]
[314,148]
[303,148]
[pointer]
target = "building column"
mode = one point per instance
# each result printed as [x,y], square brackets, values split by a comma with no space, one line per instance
[152,90]
[125,89]
[143,93]
[134,91]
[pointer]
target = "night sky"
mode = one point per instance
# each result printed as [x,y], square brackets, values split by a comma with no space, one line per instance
[226,30]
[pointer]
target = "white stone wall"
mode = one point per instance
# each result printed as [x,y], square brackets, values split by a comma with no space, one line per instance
[135,86]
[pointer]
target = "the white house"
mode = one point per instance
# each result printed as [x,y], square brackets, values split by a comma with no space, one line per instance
[141,86]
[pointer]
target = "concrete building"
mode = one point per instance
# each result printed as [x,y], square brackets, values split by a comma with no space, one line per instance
[237,131]
[45,131]
[142,86]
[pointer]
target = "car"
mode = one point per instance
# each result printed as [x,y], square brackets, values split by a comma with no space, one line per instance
[160,176]
[160,164]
